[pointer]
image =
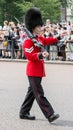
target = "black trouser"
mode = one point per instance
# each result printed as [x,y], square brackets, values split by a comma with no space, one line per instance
[35,91]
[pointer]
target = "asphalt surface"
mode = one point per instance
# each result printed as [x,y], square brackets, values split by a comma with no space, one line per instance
[58,88]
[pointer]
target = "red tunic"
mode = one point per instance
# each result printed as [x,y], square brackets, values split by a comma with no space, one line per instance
[35,66]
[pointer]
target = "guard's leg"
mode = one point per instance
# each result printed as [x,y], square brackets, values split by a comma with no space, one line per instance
[44,104]
[28,102]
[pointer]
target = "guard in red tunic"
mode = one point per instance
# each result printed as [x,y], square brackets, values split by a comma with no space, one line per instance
[35,67]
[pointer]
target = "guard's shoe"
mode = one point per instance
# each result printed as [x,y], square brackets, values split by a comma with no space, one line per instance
[53,117]
[27,116]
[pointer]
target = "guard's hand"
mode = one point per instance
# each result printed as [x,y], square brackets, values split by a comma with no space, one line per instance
[45,54]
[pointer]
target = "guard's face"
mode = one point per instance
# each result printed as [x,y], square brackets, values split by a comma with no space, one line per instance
[37,30]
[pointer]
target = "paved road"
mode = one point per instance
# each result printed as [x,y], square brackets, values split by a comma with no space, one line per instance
[58,87]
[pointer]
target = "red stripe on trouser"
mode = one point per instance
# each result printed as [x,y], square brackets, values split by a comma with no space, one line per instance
[41,101]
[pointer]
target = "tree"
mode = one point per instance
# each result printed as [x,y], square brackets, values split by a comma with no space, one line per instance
[10,8]
[63,3]
[50,9]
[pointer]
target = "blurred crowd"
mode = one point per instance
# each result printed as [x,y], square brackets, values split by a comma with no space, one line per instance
[12,37]
[63,50]
[11,40]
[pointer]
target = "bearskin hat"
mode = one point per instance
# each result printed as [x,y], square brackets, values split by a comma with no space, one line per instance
[33,18]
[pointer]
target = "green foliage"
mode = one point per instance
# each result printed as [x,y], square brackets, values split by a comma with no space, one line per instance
[50,9]
[10,8]
[23,7]
[63,2]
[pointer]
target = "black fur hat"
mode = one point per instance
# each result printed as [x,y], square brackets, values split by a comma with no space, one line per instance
[33,18]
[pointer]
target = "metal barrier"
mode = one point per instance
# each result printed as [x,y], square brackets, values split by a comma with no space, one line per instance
[12,51]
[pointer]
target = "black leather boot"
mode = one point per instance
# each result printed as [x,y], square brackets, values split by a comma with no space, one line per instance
[53,117]
[27,116]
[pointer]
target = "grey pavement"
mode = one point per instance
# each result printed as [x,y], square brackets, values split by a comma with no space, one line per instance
[58,88]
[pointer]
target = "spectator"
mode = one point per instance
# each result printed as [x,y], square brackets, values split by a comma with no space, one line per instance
[70,46]
[62,45]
